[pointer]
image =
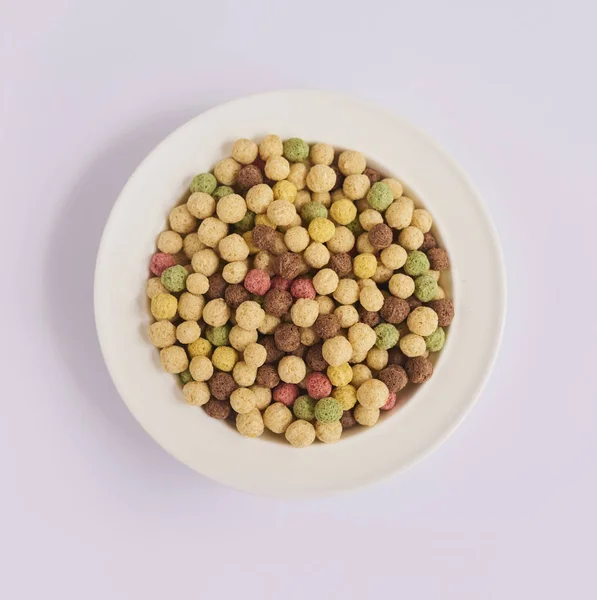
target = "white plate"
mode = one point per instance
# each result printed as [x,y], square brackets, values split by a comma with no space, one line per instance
[265,466]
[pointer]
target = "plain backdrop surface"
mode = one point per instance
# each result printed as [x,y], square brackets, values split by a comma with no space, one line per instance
[92,508]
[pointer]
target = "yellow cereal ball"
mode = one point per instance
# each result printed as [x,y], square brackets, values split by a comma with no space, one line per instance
[196,393]
[292,369]
[304,312]
[269,325]
[341,375]
[347,315]
[364,265]
[322,197]
[402,286]
[411,238]
[309,336]
[351,162]
[284,190]
[169,242]
[250,424]
[317,255]
[240,338]
[440,294]
[242,400]
[244,151]
[360,374]
[249,315]
[373,393]
[259,197]
[326,305]
[412,345]
[300,434]
[263,396]
[254,355]
[321,154]
[188,332]
[277,168]
[206,262]
[343,211]
[233,247]
[321,178]
[211,231]
[298,175]
[296,239]
[337,351]
[328,433]
[243,374]
[281,212]
[356,187]
[191,244]
[201,205]
[224,358]
[201,368]
[174,359]
[363,244]
[423,321]
[422,220]
[235,272]
[302,198]
[190,307]
[216,312]
[347,291]
[346,395]
[248,237]
[162,334]
[200,347]
[395,186]
[400,213]
[277,417]
[366,416]
[377,358]
[325,281]
[394,256]
[155,286]
[226,171]
[197,283]
[371,298]
[362,336]
[321,230]
[181,220]
[271,145]
[163,306]
[370,218]
[231,208]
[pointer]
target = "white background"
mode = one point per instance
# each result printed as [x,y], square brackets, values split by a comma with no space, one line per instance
[92,508]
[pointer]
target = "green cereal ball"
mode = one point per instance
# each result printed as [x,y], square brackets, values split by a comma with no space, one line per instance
[218,336]
[328,410]
[416,264]
[304,408]
[356,227]
[185,377]
[425,288]
[435,342]
[380,196]
[221,191]
[246,223]
[387,336]
[204,182]
[296,150]
[313,210]
[174,279]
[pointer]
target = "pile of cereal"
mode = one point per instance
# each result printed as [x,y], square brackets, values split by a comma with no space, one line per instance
[297,291]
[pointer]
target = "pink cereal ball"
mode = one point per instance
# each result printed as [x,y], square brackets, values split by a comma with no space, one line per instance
[279,283]
[160,262]
[257,282]
[286,393]
[318,385]
[390,403]
[303,288]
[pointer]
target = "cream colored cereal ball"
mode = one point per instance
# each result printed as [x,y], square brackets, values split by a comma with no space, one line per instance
[277,417]
[192,244]
[351,162]
[328,433]
[240,338]
[422,321]
[356,187]
[163,306]
[422,220]
[244,151]
[187,332]
[263,396]
[322,197]
[174,359]
[316,255]
[347,291]
[360,374]
[277,168]
[300,434]
[298,175]
[412,345]
[343,240]
[216,312]
[343,211]
[249,315]
[235,272]
[196,393]
[322,154]
[201,368]
[373,393]
[296,239]
[326,305]
[211,231]
[364,265]
[242,400]
[265,261]
[302,198]
[337,195]
[292,369]
[371,298]
[411,238]
[434,274]
[254,355]
[197,283]
[231,208]
[336,351]
[364,245]
[395,186]
[224,358]
[309,336]
[250,424]
[402,286]
[400,213]
[296,222]
[321,178]
[393,257]
[365,282]
[377,358]
[362,336]
[271,145]
[201,205]
[304,312]
[346,395]
[269,324]
[359,355]
[190,307]
[325,281]
[169,242]
[233,248]
[162,334]
[382,274]
[281,212]
[155,286]
[347,315]
[205,262]
[259,197]
[366,416]
[181,220]
[440,294]
[243,374]
[226,171]
[370,218]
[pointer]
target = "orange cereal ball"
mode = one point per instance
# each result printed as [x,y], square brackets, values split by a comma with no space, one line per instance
[373,393]
[233,247]
[285,190]
[300,434]
[281,212]
[356,187]
[226,171]
[174,359]
[197,283]
[342,241]
[411,238]
[271,145]
[321,154]
[347,291]
[211,231]
[243,374]
[231,208]
[366,416]
[347,315]
[192,244]
[423,321]
[316,255]
[181,220]
[371,298]
[249,315]
[393,257]
[369,218]
[196,393]
[364,265]
[304,312]
[321,178]
[155,286]
[325,281]
[321,230]
[328,433]
[250,424]
[205,262]
[337,351]
[277,168]
[244,151]
[360,374]
[259,197]
[395,186]
[263,396]
[190,307]
[242,400]
[343,211]
[413,345]
[364,245]
[188,332]
[292,369]
[201,368]
[341,375]
[351,162]
[216,312]
[402,286]
[296,239]
[346,396]
[400,213]
[162,334]
[201,205]
[163,306]
[277,417]
[362,336]
[169,242]
[298,175]
[240,338]
[224,358]
[235,272]
[254,355]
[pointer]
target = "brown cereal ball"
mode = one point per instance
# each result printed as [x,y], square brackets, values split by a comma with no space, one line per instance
[445,311]
[356,187]
[277,302]
[287,337]
[242,400]
[155,286]
[259,197]
[373,175]
[249,315]
[273,353]
[244,374]
[300,434]
[231,208]
[337,351]
[244,151]
[321,178]
[325,281]
[195,393]
[249,177]
[190,307]
[264,237]
[288,266]
[322,154]
[402,286]
[201,368]
[217,287]
[366,416]
[201,205]
[292,369]
[277,168]
[411,238]
[191,244]
[347,291]
[316,255]
[188,332]
[347,421]
[162,334]
[314,358]
[174,359]
[181,220]
[422,220]
[269,324]
[296,239]
[347,316]
[267,376]
[413,302]
[298,176]
[216,312]
[205,262]
[343,240]
[428,242]
[218,409]
[380,236]
[351,162]
[281,212]
[360,374]
[263,396]
[341,264]
[438,259]
[328,433]
[396,357]
[304,312]
[394,376]
[169,242]
[254,355]
[423,321]
[413,345]
[271,145]
[327,326]
[373,393]
[250,424]
[368,317]
[400,213]
[419,369]
[211,231]
[222,385]
[235,295]
[226,171]
[197,283]
[277,417]
[395,310]
[395,186]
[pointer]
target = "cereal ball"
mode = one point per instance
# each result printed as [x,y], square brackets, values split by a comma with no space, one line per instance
[244,151]
[428,242]
[298,176]
[190,307]
[322,154]
[267,376]
[425,288]
[254,355]
[295,150]
[233,248]
[382,274]
[222,385]
[362,336]
[263,396]
[216,312]
[218,409]
[303,198]
[174,278]
[371,298]
[395,186]
[413,345]
[356,187]
[235,272]
[422,220]
[277,168]
[342,241]
[360,374]
[411,238]
[423,321]
[336,351]
[363,245]
[249,177]
[285,190]
[287,337]
[313,210]
[328,433]
[195,393]
[201,205]
[218,336]
[340,376]
[200,347]
[325,281]
[435,342]
[211,231]
[435,274]
[347,316]
[321,230]
[201,368]
[396,357]
[372,393]
[351,162]
[395,378]
[169,242]
[206,262]
[377,358]
[369,218]
[318,385]
[347,421]
[162,334]
[304,408]
[292,369]
[242,400]
[277,417]
[279,283]
[224,358]
[302,288]
[343,211]
[226,171]
[203,183]
[288,265]
[160,262]
[341,264]
[328,410]
[269,324]
[197,283]
[191,244]
[154,286]
[395,310]
[391,402]
[387,336]
[243,374]
[416,264]
[402,286]
[249,315]
[174,359]
[438,259]
[399,214]
[444,309]
[368,317]
[235,295]
[271,145]
[185,377]
[309,337]
[264,237]
[286,393]
[188,332]
[163,306]
[300,434]
[380,196]
[355,227]
[373,175]
[364,265]
[277,302]
[419,369]
[281,212]
[304,312]
[346,396]
[321,178]
[231,208]
[181,220]
[347,291]
[296,239]
[380,236]
[250,424]
[257,282]
[314,358]
[259,197]
[323,198]
[326,305]
[221,191]
[393,257]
